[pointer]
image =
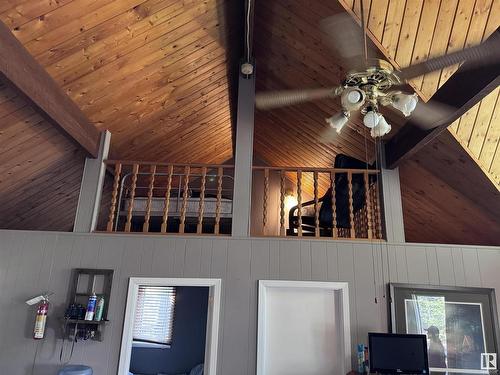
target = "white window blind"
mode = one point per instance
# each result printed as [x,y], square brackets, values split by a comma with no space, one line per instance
[154,314]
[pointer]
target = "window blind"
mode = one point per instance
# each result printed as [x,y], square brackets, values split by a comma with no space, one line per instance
[154,314]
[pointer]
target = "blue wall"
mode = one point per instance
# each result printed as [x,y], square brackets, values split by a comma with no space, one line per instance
[188,340]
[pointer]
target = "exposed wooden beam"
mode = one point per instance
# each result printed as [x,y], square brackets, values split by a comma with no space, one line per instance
[462,91]
[20,69]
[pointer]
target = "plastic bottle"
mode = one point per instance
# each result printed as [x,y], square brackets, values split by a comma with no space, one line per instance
[89,315]
[99,309]
[361,358]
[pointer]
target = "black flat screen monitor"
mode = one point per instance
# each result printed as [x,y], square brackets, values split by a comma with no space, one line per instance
[398,354]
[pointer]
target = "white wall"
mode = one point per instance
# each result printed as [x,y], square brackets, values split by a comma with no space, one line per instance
[33,262]
[301,334]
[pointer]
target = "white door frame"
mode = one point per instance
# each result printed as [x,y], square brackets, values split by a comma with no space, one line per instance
[213,315]
[342,317]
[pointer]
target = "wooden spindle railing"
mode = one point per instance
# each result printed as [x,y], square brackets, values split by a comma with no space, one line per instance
[114,198]
[201,206]
[166,198]
[166,204]
[185,195]
[219,199]
[334,206]
[135,171]
[368,206]
[356,218]
[299,202]
[157,197]
[147,216]
[316,204]
[377,216]
[265,198]
[282,204]
[351,208]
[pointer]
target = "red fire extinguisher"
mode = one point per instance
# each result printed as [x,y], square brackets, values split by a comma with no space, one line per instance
[41,319]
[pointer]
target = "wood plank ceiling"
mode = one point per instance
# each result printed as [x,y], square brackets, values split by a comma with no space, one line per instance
[478,131]
[158,74]
[40,169]
[144,69]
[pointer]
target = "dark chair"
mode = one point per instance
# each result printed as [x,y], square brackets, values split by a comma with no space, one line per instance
[341,200]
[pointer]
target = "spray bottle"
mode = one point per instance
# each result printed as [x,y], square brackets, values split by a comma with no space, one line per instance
[89,315]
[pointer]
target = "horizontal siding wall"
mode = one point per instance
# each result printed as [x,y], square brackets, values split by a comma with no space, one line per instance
[34,262]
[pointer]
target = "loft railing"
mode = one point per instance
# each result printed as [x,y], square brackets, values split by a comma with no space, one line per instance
[299,202]
[198,198]
[170,198]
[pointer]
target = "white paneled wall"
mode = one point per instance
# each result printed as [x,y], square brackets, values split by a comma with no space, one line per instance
[33,262]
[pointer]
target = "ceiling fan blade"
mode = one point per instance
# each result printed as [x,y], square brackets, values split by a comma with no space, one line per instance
[345,37]
[277,99]
[328,135]
[481,54]
[425,114]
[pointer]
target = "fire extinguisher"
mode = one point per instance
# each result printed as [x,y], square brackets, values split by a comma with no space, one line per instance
[41,319]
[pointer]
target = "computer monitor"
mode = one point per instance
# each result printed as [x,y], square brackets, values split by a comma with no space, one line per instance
[398,354]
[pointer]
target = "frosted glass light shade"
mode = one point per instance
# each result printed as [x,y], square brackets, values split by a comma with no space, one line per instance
[337,121]
[354,96]
[405,103]
[371,119]
[381,129]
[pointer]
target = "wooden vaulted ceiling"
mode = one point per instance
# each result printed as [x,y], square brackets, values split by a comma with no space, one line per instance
[144,70]
[159,74]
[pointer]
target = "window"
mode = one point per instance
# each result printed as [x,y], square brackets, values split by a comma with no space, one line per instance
[154,314]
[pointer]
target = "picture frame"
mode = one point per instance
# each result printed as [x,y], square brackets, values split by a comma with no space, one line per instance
[461,324]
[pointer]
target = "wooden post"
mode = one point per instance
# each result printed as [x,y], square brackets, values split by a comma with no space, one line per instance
[128,224]
[368,206]
[201,207]
[114,195]
[351,207]
[220,173]
[166,205]
[377,222]
[147,216]
[316,205]
[334,205]
[265,198]
[299,202]
[89,199]
[282,204]
[185,196]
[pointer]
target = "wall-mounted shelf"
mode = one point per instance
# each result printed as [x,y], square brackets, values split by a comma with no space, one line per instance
[81,321]
[87,281]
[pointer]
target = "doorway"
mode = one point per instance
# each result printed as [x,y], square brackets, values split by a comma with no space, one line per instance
[171,326]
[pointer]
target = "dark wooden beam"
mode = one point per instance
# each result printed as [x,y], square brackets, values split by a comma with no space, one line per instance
[20,69]
[468,86]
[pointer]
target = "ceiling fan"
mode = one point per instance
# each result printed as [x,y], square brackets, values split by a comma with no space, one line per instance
[377,84]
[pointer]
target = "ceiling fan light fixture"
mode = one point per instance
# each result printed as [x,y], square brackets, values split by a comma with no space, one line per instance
[371,119]
[381,129]
[354,96]
[338,120]
[352,99]
[404,103]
